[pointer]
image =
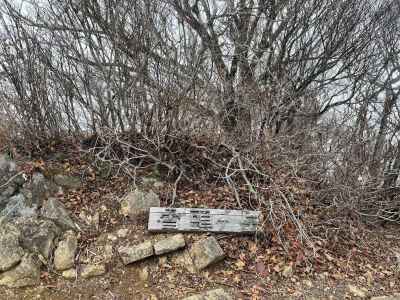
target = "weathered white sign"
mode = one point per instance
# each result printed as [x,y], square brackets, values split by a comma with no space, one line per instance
[202,219]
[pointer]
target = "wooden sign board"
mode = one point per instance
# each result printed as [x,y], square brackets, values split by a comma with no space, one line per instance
[203,220]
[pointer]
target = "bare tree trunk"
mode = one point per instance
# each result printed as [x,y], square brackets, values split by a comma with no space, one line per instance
[394,171]
[390,100]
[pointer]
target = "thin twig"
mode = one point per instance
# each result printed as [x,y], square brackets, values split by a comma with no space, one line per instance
[11,179]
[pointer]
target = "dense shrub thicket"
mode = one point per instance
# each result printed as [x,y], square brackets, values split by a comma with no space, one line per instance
[308,88]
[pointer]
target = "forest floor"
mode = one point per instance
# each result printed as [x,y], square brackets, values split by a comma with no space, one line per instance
[357,262]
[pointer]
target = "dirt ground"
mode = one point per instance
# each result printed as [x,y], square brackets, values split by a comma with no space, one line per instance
[245,279]
[167,280]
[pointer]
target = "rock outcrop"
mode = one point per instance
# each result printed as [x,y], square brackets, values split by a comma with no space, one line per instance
[31,222]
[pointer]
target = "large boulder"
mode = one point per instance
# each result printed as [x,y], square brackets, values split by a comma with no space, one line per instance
[138,202]
[38,236]
[27,273]
[54,210]
[10,251]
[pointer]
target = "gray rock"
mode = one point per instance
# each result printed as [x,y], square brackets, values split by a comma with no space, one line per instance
[393,297]
[55,210]
[185,261]
[7,165]
[356,291]
[18,206]
[138,202]
[11,252]
[9,191]
[152,182]
[3,162]
[27,273]
[123,233]
[64,256]
[38,190]
[195,297]
[217,294]
[8,180]
[38,236]
[70,274]
[66,181]
[130,254]
[89,271]
[3,201]
[170,244]
[10,184]
[206,252]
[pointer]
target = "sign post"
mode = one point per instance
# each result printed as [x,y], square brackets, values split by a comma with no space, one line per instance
[203,220]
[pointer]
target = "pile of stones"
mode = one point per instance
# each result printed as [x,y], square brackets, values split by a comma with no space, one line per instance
[32,222]
[36,230]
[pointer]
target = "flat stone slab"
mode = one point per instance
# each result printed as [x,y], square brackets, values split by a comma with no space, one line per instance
[393,297]
[217,294]
[131,254]
[89,271]
[206,252]
[169,244]
[163,219]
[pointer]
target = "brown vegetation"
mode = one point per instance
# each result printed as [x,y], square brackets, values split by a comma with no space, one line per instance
[291,105]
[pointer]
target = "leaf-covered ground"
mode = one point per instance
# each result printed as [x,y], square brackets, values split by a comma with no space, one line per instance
[346,260]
